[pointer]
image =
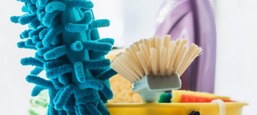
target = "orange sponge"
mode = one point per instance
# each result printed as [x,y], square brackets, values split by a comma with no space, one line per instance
[194,99]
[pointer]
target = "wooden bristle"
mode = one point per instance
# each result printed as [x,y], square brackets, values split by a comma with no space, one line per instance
[157,56]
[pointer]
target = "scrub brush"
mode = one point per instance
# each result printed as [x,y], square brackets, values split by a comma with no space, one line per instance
[154,65]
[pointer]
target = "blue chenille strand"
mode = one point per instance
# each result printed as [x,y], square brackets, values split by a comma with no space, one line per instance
[39,45]
[93,45]
[55,72]
[63,97]
[102,108]
[81,15]
[41,16]
[106,74]
[79,72]
[42,3]
[40,58]
[96,54]
[106,91]
[64,79]
[29,42]
[31,61]
[31,7]
[36,41]
[56,52]
[71,27]
[106,40]
[57,95]
[55,6]
[25,34]
[35,31]
[62,112]
[27,18]
[92,109]
[51,35]
[81,4]
[91,84]
[99,23]
[36,71]
[76,46]
[54,63]
[56,41]
[43,33]
[90,95]
[96,64]
[24,9]
[86,17]
[23,45]
[48,18]
[93,33]
[80,110]
[36,90]
[51,110]
[33,1]
[56,83]
[35,23]
[69,106]
[15,19]
[84,96]
[39,81]
[70,51]
[43,50]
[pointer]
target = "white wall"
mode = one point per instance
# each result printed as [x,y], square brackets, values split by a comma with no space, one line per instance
[237,51]
[131,20]
[14,90]
[139,19]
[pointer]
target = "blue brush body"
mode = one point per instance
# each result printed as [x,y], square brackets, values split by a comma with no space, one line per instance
[69,49]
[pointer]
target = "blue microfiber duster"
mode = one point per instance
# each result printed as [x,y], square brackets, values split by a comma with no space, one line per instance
[68,48]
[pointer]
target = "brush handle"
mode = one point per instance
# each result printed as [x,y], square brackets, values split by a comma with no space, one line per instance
[149,96]
[146,94]
[151,87]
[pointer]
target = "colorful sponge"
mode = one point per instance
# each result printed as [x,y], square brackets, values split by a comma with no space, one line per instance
[183,96]
[68,48]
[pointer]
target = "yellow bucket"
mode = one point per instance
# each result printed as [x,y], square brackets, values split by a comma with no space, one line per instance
[231,108]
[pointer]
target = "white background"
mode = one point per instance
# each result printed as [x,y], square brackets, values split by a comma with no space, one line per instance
[236,47]
[237,51]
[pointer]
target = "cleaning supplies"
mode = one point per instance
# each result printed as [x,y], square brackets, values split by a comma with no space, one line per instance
[68,47]
[154,65]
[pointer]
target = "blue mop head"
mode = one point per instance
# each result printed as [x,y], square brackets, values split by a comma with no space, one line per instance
[68,48]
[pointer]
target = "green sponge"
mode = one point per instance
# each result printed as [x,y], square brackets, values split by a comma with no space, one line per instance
[165,97]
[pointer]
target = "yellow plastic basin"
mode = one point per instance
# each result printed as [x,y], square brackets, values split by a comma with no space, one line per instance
[232,108]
